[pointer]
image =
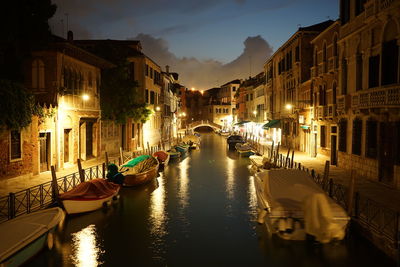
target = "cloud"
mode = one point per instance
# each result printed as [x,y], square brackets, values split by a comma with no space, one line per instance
[205,74]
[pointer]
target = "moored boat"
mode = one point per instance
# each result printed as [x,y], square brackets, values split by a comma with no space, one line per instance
[89,196]
[292,205]
[244,150]
[182,148]
[141,173]
[24,236]
[162,157]
[232,140]
[173,154]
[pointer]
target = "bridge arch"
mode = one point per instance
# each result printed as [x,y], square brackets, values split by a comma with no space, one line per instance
[203,123]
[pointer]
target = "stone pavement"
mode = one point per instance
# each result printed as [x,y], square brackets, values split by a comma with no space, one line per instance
[16,184]
[374,190]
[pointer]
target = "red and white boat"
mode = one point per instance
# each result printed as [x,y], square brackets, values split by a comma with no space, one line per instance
[89,196]
[162,157]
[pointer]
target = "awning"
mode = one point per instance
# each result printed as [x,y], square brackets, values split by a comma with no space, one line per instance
[241,123]
[305,127]
[272,124]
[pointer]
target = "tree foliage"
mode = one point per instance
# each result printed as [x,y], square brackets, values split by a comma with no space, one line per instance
[119,96]
[17,105]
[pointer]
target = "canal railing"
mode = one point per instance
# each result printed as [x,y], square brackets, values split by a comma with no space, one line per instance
[376,221]
[44,195]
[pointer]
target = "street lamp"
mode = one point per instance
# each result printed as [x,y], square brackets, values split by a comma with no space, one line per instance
[289,106]
[85,97]
[255,112]
[158,108]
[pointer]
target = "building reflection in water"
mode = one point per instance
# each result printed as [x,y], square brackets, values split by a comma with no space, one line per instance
[158,214]
[86,250]
[252,198]
[230,179]
[183,194]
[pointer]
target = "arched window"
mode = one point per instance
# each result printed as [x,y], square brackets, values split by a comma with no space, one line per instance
[90,79]
[357,135]
[343,135]
[344,76]
[38,74]
[390,54]
[80,81]
[359,71]
[334,93]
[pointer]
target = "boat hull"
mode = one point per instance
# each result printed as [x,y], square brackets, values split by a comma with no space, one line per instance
[141,178]
[73,206]
[27,235]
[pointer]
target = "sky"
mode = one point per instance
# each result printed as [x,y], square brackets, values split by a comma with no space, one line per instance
[208,42]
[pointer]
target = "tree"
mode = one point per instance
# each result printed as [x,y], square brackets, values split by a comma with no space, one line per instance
[17,105]
[119,96]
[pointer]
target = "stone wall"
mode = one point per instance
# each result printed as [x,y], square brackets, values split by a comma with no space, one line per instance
[364,167]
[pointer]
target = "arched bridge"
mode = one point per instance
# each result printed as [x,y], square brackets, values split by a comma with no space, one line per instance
[201,123]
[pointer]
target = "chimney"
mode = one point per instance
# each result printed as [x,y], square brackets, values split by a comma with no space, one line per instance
[70,36]
[167,69]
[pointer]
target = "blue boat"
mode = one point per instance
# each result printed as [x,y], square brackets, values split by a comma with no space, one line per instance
[182,148]
[23,237]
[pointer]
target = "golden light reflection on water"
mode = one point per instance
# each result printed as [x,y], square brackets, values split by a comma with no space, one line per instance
[183,194]
[85,248]
[252,197]
[230,180]
[158,214]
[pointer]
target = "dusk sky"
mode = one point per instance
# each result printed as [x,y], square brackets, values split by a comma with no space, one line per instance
[220,40]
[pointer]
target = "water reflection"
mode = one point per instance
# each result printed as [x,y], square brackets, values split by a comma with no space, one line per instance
[183,194]
[158,215]
[85,248]
[230,179]
[252,198]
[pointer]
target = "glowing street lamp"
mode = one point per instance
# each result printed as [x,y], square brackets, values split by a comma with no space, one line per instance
[85,97]
[255,112]
[158,108]
[193,88]
[289,106]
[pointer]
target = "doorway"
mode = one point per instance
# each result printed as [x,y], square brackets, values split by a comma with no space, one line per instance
[123,136]
[44,144]
[89,139]
[67,141]
[333,150]
[386,155]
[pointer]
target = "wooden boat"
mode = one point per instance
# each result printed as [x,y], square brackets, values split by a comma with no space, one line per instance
[143,172]
[162,157]
[173,154]
[24,236]
[192,140]
[182,148]
[292,205]
[89,196]
[244,150]
[232,140]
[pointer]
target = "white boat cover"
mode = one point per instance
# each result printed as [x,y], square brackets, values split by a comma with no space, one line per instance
[283,191]
[19,232]
[258,161]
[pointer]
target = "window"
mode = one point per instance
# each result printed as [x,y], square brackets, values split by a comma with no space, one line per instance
[372,133]
[38,74]
[233,88]
[152,97]
[297,54]
[146,96]
[390,62]
[15,145]
[373,71]
[133,131]
[344,11]
[90,80]
[342,135]
[132,71]
[357,132]
[359,6]
[147,70]
[359,72]
[323,136]
[344,76]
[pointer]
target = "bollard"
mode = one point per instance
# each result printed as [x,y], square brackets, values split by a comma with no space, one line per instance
[54,184]
[80,171]
[103,167]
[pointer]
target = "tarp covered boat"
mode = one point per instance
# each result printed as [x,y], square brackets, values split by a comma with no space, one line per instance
[173,154]
[293,205]
[141,173]
[233,140]
[182,148]
[89,196]
[162,157]
[245,150]
[25,236]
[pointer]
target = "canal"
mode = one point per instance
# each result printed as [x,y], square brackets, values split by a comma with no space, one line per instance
[201,211]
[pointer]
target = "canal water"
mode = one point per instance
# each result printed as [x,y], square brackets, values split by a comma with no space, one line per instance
[201,211]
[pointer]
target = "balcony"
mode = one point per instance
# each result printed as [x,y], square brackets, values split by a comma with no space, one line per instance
[343,104]
[376,98]
[331,111]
